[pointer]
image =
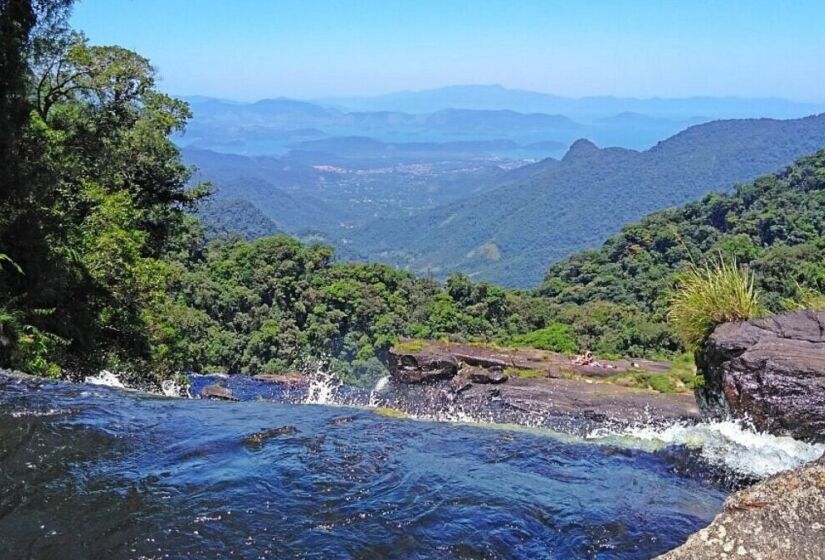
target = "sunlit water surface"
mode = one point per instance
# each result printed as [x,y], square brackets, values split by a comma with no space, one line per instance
[90,471]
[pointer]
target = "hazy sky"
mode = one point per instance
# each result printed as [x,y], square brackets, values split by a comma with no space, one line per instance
[250,49]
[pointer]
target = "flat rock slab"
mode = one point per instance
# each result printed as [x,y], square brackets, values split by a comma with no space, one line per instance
[551,364]
[573,406]
[614,402]
[781,518]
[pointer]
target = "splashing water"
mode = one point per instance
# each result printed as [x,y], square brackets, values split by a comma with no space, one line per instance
[734,445]
[171,388]
[380,385]
[105,378]
[323,385]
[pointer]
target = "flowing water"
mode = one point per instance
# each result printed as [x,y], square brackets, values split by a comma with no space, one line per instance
[89,471]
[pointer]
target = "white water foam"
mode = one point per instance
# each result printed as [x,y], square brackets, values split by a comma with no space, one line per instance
[322,386]
[171,388]
[734,445]
[105,378]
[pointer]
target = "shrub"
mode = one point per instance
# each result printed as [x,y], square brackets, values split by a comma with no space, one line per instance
[706,296]
[556,338]
[805,298]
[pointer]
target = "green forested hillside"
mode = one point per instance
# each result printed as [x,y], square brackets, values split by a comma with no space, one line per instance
[223,217]
[509,234]
[775,225]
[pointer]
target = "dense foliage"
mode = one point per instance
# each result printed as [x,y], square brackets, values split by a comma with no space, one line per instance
[775,226]
[270,305]
[93,195]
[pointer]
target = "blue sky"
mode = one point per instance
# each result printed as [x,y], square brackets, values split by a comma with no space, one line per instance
[251,49]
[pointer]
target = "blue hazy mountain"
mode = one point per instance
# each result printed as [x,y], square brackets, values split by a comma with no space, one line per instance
[493,97]
[274,126]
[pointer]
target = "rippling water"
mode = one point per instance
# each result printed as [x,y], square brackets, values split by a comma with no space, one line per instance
[96,472]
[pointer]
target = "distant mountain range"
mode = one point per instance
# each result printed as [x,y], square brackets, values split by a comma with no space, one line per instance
[276,126]
[495,97]
[436,180]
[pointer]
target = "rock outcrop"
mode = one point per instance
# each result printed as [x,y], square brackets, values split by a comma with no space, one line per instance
[422,367]
[782,517]
[440,379]
[771,371]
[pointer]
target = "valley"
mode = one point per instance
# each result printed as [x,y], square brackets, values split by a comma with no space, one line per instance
[506,219]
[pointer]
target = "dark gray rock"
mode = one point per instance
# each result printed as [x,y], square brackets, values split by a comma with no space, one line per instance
[771,371]
[484,376]
[782,517]
[423,367]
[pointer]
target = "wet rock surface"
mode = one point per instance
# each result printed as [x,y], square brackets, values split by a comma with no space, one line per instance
[769,370]
[567,405]
[257,439]
[782,517]
[216,391]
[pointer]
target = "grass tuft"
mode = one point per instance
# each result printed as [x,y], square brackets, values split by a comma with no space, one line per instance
[718,292]
[410,346]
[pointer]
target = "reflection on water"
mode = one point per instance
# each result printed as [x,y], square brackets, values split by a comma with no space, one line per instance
[97,472]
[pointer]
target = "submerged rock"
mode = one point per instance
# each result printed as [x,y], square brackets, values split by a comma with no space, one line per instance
[293,379]
[259,438]
[782,517]
[422,367]
[771,371]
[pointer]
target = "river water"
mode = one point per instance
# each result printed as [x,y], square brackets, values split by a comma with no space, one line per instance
[90,471]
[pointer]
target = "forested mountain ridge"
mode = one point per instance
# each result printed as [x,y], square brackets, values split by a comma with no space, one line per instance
[774,225]
[508,235]
[226,217]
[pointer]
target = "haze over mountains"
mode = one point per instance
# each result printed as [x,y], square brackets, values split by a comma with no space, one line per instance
[496,97]
[493,182]
[534,124]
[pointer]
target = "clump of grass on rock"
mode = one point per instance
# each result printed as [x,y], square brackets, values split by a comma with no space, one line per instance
[706,296]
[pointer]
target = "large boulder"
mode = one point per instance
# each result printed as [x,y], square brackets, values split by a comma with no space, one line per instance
[422,367]
[771,371]
[782,517]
